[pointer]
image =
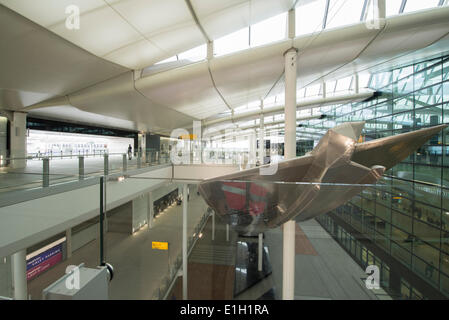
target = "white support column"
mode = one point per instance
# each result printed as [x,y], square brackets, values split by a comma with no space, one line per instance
[261,140]
[227,232]
[260,255]
[197,148]
[150,210]
[68,239]
[254,147]
[357,83]
[18,140]
[20,275]
[291,24]
[324,89]
[184,241]
[288,272]
[382,9]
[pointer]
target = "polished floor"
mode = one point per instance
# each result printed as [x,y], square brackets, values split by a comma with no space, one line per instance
[138,268]
[323,270]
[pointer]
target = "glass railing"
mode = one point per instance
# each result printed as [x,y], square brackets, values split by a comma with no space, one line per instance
[145,236]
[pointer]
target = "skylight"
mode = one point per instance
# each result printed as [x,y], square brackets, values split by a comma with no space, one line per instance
[171,59]
[233,42]
[393,7]
[415,5]
[309,17]
[195,54]
[269,30]
[344,12]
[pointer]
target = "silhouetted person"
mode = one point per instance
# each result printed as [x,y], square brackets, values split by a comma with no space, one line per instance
[130,152]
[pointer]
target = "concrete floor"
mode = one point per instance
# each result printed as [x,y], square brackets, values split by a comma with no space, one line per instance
[324,271]
[138,269]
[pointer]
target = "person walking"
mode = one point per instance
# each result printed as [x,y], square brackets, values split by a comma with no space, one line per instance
[130,152]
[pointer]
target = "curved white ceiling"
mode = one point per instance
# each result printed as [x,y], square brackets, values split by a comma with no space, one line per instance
[173,98]
[139,33]
[36,64]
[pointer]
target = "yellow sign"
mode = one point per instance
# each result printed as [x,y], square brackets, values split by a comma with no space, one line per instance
[188,137]
[159,245]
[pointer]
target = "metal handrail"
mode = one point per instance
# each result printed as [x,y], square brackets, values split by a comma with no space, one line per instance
[170,278]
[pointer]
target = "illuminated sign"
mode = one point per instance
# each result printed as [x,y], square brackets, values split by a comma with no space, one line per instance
[188,137]
[159,245]
[44,261]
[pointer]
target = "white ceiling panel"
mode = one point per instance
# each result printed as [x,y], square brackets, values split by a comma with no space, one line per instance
[250,73]
[223,17]
[36,64]
[118,98]
[101,31]
[182,89]
[136,55]
[48,13]
[76,115]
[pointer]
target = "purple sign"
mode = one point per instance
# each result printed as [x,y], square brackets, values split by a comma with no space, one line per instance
[44,261]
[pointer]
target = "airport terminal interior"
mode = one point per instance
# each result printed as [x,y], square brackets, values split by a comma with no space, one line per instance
[224,149]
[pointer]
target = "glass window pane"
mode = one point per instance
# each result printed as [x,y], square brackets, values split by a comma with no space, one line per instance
[393,7]
[309,17]
[344,12]
[233,42]
[415,5]
[195,54]
[171,59]
[269,30]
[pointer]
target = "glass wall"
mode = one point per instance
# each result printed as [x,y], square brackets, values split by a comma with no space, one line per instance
[407,213]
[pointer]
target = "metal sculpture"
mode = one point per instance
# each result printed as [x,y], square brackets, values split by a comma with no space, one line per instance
[336,170]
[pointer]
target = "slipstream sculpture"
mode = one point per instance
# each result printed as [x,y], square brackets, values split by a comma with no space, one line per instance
[336,170]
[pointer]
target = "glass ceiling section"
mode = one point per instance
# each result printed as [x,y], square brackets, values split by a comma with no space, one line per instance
[270,30]
[309,17]
[233,42]
[344,12]
[392,7]
[415,5]
[267,31]
[195,54]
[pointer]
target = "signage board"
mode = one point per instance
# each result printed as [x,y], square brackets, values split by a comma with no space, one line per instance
[159,245]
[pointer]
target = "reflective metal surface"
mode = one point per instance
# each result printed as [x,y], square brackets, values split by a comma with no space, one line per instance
[305,187]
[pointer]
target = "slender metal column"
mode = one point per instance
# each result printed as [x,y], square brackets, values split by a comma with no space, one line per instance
[81,167]
[288,272]
[101,222]
[106,164]
[150,210]
[20,275]
[261,140]
[227,232]
[184,241]
[125,162]
[260,255]
[139,159]
[68,241]
[45,172]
